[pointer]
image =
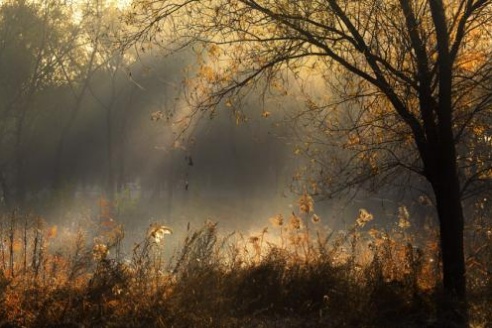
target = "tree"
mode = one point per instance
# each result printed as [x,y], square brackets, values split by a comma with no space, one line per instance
[77,70]
[32,38]
[113,63]
[419,72]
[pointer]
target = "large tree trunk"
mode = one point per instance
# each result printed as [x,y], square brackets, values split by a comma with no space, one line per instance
[450,214]
[446,186]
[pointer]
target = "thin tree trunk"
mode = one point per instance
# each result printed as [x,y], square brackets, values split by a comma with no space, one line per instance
[20,179]
[109,154]
[58,165]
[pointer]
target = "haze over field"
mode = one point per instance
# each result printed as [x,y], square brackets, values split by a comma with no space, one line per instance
[79,125]
[84,119]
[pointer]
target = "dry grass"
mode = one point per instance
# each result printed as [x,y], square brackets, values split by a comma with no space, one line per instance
[293,273]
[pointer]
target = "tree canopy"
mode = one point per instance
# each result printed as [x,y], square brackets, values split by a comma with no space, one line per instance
[389,48]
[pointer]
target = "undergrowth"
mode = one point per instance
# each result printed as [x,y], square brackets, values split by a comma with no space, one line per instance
[294,273]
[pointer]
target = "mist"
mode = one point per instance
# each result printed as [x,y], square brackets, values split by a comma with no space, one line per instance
[94,126]
[84,133]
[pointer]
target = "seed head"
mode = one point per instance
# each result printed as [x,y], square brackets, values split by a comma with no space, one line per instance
[157,233]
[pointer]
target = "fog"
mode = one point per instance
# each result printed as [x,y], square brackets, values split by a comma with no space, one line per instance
[84,125]
[78,132]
